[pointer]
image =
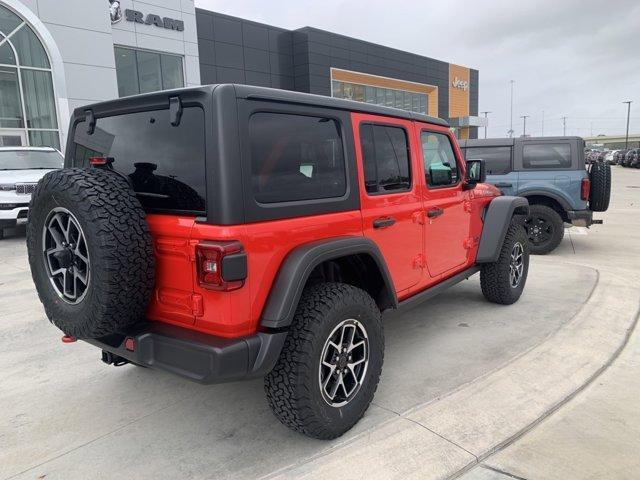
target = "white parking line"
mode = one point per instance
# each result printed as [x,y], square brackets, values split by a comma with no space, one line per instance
[577,230]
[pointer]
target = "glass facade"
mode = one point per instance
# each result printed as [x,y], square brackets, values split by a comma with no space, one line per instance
[141,71]
[27,102]
[411,101]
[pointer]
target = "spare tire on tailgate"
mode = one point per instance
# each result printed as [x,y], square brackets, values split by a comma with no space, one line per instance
[600,192]
[90,251]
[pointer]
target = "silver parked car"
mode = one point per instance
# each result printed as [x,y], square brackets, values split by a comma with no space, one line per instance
[20,170]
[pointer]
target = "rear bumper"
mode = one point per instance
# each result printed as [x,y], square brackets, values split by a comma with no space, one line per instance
[199,357]
[582,218]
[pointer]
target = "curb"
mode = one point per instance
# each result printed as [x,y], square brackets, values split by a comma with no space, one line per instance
[448,436]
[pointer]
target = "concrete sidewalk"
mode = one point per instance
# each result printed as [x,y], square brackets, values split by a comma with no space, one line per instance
[596,435]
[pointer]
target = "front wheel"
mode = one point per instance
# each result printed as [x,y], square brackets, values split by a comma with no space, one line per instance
[331,362]
[503,280]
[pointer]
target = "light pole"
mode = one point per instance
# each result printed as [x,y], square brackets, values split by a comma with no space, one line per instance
[511,116]
[564,126]
[524,125]
[485,123]
[626,138]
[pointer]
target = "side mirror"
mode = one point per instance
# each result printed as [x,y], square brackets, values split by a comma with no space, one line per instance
[440,175]
[476,173]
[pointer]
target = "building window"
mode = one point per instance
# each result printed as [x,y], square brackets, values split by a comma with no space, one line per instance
[411,101]
[141,71]
[27,102]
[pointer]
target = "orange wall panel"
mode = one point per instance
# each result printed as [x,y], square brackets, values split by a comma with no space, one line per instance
[458,97]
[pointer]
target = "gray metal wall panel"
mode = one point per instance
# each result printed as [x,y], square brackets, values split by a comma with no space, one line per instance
[259,54]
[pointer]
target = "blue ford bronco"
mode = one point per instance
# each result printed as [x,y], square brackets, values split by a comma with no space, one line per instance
[550,172]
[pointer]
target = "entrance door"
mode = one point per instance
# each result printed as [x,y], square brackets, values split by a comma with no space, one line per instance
[446,205]
[12,138]
[390,198]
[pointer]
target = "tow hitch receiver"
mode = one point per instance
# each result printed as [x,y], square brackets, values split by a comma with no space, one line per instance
[111,359]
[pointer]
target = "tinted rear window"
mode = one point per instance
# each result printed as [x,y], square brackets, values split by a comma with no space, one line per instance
[497,160]
[385,155]
[166,164]
[296,157]
[546,155]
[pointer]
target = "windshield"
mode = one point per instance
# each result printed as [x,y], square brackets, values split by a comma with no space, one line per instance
[29,160]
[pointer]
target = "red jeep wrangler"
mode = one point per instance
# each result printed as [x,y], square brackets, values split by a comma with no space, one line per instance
[230,232]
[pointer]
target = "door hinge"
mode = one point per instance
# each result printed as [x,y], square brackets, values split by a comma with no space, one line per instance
[197,305]
[419,262]
[470,242]
[418,217]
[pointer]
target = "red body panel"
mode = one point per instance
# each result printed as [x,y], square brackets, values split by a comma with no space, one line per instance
[419,253]
[400,244]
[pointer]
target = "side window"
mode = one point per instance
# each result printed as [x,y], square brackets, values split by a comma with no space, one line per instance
[385,154]
[497,160]
[440,164]
[546,155]
[295,157]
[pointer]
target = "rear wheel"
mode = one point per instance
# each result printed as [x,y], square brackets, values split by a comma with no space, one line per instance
[331,362]
[544,228]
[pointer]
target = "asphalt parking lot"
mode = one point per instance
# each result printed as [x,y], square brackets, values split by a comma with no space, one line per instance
[462,379]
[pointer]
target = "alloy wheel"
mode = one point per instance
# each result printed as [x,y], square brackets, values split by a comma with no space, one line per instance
[343,362]
[516,265]
[65,255]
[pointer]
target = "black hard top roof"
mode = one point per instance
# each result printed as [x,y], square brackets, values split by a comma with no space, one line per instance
[508,142]
[261,93]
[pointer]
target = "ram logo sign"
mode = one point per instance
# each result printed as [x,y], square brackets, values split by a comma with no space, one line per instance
[115,11]
[152,19]
[460,84]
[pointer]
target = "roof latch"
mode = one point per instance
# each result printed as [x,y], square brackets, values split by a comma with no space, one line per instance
[90,118]
[175,110]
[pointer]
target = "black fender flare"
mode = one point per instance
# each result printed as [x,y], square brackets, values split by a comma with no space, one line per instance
[294,272]
[497,219]
[549,194]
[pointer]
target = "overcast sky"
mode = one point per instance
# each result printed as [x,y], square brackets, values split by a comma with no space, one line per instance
[579,59]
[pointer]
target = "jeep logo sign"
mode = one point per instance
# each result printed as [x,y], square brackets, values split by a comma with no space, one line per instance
[460,84]
[152,19]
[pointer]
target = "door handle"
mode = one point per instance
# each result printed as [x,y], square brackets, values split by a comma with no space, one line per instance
[383,222]
[503,184]
[435,212]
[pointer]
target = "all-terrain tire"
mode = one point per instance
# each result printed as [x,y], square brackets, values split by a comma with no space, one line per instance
[118,245]
[293,386]
[495,278]
[600,192]
[551,229]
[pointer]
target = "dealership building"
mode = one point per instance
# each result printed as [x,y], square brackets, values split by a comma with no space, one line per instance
[57,55]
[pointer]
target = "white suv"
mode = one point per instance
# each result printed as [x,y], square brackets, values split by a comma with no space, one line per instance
[20,170]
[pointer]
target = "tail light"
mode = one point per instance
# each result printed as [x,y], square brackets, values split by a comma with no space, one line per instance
[585,187]
[100,161]
[221,265]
